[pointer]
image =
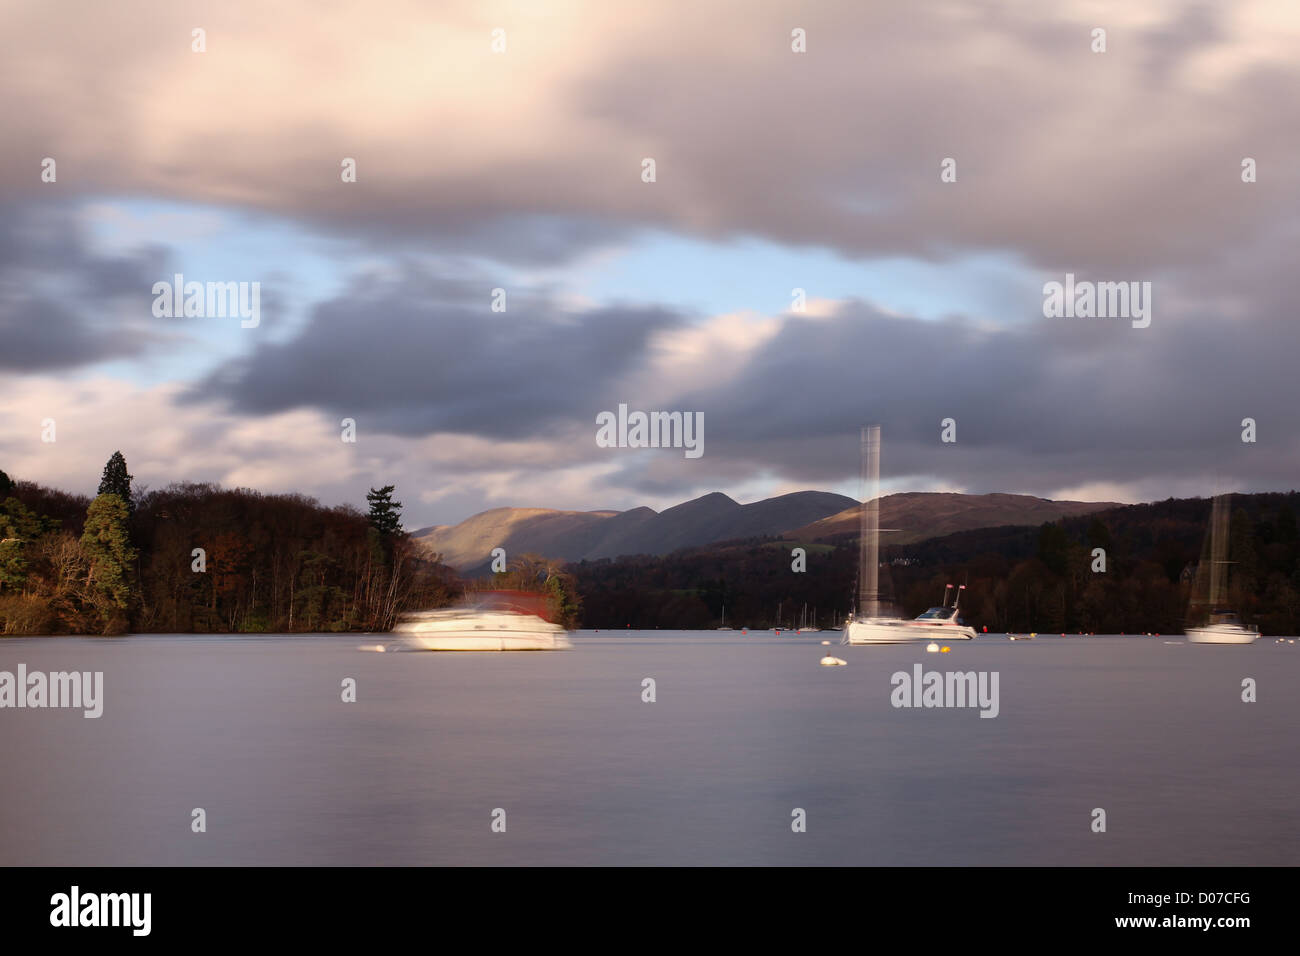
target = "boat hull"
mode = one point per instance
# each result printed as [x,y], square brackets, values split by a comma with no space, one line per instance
[481,642]
[487,632]
[901,631]
[1223,634]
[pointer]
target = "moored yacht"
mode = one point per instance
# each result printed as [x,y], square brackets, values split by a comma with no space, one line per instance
[1223,626]
[937,624]
[871,625]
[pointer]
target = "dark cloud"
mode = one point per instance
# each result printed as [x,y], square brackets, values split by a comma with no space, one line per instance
[416,353]
[1040,404]
[63,304]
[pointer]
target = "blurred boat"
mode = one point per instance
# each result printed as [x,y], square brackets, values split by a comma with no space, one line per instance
[1224,628]
[871,625]
[492,624]
[1222,625]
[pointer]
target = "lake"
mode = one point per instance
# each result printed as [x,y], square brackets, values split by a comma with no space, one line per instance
[743,730]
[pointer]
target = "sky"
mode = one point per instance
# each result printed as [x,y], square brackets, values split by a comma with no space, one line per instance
[502,146]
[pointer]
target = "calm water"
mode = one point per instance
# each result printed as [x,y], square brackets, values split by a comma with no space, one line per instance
[744,729]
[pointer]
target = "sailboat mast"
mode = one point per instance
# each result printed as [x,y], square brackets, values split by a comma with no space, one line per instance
[1218,550]
[869,537]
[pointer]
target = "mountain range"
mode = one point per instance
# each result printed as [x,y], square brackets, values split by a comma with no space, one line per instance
[802,516]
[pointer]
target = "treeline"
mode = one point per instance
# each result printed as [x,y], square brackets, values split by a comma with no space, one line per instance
[547,578]
[197,557]
[1018,579]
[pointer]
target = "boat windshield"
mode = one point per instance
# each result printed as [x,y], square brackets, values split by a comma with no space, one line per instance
[937,614]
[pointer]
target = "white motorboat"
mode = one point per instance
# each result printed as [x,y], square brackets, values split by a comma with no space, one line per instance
[872,625]
[1223,625]
[499,628]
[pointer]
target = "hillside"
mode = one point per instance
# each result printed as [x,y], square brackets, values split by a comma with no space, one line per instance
[803,515]
[915,516]
[590,535]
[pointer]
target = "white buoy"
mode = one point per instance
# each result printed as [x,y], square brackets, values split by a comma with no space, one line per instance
[932,648]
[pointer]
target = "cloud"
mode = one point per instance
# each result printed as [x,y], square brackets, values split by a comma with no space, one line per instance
[1066,157]
[412,353]
[1040,404]
[474,167]
[64,305]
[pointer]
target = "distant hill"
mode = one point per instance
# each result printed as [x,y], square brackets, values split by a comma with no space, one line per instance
[578,535]
[915,516]
[802,515]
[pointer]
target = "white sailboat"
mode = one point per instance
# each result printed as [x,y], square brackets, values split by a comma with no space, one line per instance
[1223,626]
[871,625]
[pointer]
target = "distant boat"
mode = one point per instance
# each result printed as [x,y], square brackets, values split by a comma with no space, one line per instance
[871,625]
[723,625]
[493,625]
[1222,625]
[804,626]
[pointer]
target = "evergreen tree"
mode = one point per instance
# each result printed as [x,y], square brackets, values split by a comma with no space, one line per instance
[6,485]
[117,481]
[111,555]
[566,603]
[19,529]
[385,513]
